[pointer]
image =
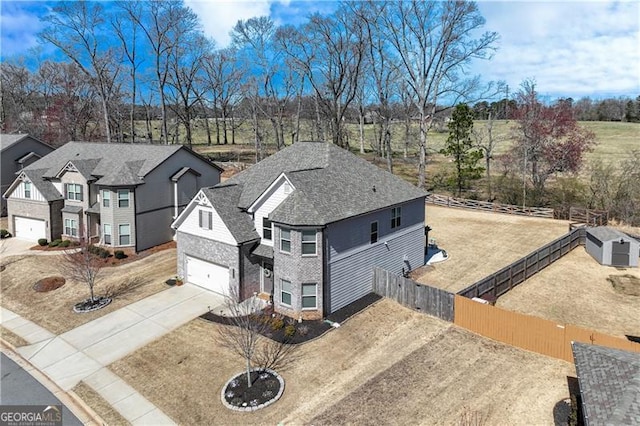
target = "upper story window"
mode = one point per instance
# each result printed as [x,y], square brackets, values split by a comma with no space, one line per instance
[123,198]
[374,232]
[396,214]
[309,242]
[206,219]
[106,198]
[285,240]
[74,191]
[266,229]
[27,190]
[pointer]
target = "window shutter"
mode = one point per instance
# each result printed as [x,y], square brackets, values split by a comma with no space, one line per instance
[81,191]
[210,220]
[200,221]
[66,191]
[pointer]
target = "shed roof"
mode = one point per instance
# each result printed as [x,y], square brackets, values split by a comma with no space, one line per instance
[609,384]
[605,233]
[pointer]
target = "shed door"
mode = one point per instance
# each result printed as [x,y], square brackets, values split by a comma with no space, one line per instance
[208,275]
[620,253]
[29,229]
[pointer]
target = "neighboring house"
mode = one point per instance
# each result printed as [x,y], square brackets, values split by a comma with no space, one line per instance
[609,381]
[306,225]
[123,195]
[18,151]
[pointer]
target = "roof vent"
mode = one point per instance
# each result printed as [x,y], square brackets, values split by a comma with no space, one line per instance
[374,188]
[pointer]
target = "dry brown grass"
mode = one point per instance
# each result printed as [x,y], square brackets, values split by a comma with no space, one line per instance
[12,338]
[99,405]
[427,369]
[480,243]
[576,290]
[53,310]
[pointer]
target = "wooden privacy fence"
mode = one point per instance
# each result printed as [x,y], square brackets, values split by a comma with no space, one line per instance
[430,300]
[464,203]
[528,332]
[510,276]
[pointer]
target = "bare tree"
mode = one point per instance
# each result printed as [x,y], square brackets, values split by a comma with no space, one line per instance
[487,142]
[434,43]
[82,265]
[74,28]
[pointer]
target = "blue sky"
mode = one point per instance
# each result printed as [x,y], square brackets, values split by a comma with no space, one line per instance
[570,48]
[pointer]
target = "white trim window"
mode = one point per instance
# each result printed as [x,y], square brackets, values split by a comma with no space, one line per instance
[205,219]
[106,198]
[123,198]
[285,292]
[396,215]
[106,233]
[267,232]
[124,234]
[27,189]
[374,232]
[309,242]
[309,296]
[285,240]
[71,227]
[74,191]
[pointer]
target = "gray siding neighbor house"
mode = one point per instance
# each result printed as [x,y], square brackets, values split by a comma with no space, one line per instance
[120,195]
[17,152]
[306,225]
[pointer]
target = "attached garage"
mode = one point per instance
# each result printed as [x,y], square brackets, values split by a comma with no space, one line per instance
[611,247]
[207,275]
[29,229]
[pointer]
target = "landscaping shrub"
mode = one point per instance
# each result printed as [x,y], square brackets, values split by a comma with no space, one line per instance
[119,254]
[103,253]
[289,331]
[42,242]
[277,323]
[64,243]
[55,243]
[303,330]
[4,233]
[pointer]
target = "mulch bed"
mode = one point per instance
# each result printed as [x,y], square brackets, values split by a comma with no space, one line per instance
[89,305]
[48,284]
[306,330]
[264,388]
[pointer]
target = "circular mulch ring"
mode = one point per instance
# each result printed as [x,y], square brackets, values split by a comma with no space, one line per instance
[266,388]
[91,305]
[48,284]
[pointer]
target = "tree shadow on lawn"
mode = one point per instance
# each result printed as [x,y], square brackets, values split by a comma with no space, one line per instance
[309,329]
[125,288]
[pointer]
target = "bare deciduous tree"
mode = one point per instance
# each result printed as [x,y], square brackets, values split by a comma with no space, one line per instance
[80,264]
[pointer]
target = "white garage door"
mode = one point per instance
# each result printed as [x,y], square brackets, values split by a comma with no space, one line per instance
[29,229]
[208,275]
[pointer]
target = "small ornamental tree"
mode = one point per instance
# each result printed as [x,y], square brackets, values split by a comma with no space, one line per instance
[460,146]
[82,265]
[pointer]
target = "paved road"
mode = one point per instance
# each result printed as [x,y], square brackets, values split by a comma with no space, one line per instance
[17,387]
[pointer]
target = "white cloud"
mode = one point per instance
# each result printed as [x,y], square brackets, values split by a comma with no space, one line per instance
[219,17]
[18,30]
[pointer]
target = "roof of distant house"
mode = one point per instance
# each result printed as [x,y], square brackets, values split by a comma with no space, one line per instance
[331,184]
[7,140]
[609,384]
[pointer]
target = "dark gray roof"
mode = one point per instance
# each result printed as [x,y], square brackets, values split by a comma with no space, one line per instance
[176,177]
[44,187]
[71,209]
[330,183]
[95,208]
[224,199]
[604,233]
[263,251]
[6,140]
[609,384]
[107,160]
[27,156]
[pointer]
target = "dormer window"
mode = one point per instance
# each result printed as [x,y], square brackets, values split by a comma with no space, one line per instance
[27,190]
[73,191]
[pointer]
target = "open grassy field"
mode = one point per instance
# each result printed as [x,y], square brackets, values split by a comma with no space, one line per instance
[480,243]
[576,290]
[386,365]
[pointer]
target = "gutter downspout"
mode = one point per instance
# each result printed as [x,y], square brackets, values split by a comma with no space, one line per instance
[175,199]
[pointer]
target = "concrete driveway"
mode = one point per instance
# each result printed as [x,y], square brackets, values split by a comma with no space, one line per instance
[15,246]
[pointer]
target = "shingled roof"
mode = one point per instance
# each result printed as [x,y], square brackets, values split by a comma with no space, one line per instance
[6,140]
[224,199]
[331,184]
[609,384]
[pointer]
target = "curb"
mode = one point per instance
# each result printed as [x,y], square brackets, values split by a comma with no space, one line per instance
[70,399]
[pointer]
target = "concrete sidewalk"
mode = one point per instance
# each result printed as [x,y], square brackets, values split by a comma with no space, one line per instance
[82,353]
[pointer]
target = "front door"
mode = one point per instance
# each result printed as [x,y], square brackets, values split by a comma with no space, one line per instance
[267,277]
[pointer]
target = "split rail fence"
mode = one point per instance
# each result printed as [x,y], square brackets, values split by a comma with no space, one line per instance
[441,200]
[505,279]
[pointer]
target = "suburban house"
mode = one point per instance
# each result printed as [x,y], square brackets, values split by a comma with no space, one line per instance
[609,381]
[121,195]
[306,226]
[17,152]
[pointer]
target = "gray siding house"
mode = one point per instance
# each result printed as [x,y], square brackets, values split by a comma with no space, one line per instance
[120,195]
[306,226]
[17,152]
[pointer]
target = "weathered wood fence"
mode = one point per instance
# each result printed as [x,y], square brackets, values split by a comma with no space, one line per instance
[442,200]
[510,276]
[589,216]
[422,298]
